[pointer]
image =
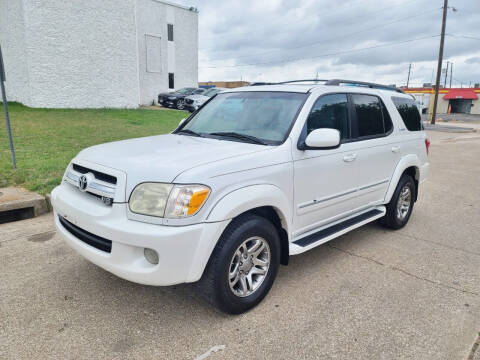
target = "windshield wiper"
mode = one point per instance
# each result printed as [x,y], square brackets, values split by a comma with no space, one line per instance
[189,132]
[249,138]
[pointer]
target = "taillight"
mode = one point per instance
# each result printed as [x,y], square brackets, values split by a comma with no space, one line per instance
[427,144]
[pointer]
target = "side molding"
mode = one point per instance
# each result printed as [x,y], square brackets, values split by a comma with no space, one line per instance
[406,162]
[250,197]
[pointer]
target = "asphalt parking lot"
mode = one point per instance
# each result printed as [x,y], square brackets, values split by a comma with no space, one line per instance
[370,294]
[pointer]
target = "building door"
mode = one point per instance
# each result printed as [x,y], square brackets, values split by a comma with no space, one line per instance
[460,106]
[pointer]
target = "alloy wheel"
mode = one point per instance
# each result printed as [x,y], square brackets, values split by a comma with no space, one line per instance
[404,201]
[249,266]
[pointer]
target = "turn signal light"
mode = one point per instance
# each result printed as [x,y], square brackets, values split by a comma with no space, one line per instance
[427,144]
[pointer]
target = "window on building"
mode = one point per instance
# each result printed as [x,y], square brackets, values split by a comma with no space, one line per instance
[170,32]
[369,115]
[407,108]
[171,81]
[330,111]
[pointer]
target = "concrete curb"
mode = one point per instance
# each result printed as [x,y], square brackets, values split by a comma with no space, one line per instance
[19,203]
[447,128]
[475,353]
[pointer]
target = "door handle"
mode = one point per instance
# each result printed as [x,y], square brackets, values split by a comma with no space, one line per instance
[395,149]
[349,157]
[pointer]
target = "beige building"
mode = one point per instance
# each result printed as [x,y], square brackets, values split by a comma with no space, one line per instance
[450,100]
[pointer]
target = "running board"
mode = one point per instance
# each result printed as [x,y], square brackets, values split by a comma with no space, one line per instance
[335,230]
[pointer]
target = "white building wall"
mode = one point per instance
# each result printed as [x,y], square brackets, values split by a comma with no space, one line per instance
[179,57]
[81,53]
[186,49]
[93,54]
[12,40]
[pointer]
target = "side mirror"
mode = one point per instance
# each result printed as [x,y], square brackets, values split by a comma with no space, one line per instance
[323,138]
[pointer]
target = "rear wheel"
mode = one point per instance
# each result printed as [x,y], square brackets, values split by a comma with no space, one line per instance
[400,206]
[243,265]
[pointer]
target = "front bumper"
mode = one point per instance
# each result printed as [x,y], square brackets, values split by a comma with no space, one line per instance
[183,250]
[191,108]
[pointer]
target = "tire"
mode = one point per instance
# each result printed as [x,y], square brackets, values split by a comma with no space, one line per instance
[180,104]
[396,218]
[216,287]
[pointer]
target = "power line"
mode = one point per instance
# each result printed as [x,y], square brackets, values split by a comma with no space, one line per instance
[334,38]
[362,18]
[322,55]
[464,36]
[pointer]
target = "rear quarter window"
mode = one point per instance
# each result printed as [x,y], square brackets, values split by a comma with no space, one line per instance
[407,108]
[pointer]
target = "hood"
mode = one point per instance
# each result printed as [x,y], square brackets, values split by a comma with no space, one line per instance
[167,94]
[176,96]
[162,158]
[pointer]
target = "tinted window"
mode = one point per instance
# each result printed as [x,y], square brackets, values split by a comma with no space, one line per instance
[369,115]
[387,120]
[170,32]
[330,111]
[171,82]
[409,112]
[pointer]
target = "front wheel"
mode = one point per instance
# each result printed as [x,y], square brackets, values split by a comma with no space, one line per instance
[243,265]
[180,104]
[400,206]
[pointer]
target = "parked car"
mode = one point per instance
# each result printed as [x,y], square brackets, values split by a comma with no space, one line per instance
[176,99]
[193,102]
[257,175]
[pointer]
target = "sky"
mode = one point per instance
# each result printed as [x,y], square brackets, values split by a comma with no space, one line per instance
[367,40]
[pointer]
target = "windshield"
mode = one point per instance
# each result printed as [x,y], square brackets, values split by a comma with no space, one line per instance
[183,91]
[266,116]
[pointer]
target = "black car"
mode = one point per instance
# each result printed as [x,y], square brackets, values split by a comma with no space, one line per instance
[176,99]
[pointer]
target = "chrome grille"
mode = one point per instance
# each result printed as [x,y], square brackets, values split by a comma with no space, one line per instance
[93,182]
[98,175]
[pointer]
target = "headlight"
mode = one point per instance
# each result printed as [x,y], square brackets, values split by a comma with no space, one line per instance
[168,200]
[150,199]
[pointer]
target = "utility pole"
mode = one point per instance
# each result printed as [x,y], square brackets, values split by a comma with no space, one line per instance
[446,74]
[440,58]
[5,108]
[451,72]
[408,78]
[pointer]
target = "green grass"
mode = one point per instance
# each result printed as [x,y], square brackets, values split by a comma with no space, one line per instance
[46,140]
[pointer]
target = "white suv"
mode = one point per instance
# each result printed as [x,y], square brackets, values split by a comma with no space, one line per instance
[257,175]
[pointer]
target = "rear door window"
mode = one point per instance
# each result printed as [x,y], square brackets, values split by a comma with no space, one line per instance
[408,110]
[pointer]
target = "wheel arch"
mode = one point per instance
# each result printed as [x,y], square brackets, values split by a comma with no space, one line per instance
[264,200]
[409,164]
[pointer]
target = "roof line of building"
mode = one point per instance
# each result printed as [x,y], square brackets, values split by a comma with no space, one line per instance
[189,8]
[442,91]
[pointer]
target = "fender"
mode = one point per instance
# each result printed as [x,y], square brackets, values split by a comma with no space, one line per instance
[405,162]
[250,197]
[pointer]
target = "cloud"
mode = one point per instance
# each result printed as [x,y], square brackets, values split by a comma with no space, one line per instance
[273,40]
[473,60]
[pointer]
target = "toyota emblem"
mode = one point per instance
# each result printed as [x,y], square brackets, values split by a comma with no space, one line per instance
[83,183]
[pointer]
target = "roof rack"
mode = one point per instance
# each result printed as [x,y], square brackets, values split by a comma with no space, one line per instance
[297,81]
[338,82]
[364,84]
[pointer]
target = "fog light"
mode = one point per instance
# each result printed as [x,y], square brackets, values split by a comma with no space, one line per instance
[151,256]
